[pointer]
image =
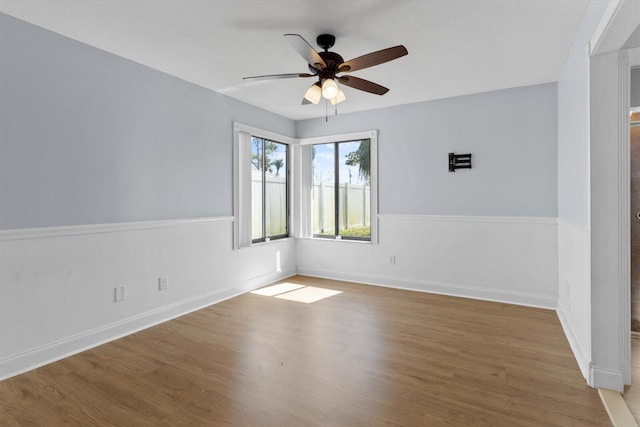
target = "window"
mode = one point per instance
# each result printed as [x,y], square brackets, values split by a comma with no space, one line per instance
[341,190]
[262,189]
[269,190]
[323,187]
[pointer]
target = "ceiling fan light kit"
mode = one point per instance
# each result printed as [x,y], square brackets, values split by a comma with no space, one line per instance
[329,89]
[314,93]
[338,98]
[326,65]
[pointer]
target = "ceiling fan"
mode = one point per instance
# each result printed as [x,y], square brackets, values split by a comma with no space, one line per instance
[327,65]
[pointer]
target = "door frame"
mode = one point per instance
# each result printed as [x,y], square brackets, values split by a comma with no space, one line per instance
[610,255]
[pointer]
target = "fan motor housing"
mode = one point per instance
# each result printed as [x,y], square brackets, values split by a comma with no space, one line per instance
[332,59]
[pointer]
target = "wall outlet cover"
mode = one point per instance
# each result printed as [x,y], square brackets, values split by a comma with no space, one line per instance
[120,293]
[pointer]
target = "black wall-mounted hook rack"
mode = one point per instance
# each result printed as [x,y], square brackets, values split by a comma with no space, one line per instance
[459,161]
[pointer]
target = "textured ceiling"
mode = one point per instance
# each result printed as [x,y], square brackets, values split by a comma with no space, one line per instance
[456,47]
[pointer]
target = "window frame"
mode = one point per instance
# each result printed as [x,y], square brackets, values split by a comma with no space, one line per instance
[265,237]
[242,206]
[306,182]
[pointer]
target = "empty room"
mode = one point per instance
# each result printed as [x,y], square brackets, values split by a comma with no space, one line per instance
[319,213]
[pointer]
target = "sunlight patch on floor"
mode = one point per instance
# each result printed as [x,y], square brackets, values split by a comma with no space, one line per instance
[298,293]
[309,294]
[278,289]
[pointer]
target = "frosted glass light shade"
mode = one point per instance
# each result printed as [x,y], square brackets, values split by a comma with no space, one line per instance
[313,93]
[338,98]
[329,89]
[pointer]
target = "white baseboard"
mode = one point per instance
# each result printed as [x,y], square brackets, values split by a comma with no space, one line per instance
[46,354]
[458,290]
[579,353]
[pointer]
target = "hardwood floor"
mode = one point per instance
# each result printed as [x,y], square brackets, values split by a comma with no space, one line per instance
[369,356]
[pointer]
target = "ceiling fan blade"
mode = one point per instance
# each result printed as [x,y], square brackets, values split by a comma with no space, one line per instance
[278,76]
[362,84]
[305,50]
[305,101]
[373,58]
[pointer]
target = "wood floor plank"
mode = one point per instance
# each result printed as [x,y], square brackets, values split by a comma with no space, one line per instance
[370,356]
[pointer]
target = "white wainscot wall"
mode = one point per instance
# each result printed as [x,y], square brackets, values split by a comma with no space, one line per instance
[507,259]
[574,299]
[57,284]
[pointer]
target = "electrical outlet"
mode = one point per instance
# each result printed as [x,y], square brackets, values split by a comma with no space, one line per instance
[392,259]
[163,283]
[119,293]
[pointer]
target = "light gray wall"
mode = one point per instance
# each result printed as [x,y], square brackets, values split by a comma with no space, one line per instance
[510,133]
[88,137]
[635,87]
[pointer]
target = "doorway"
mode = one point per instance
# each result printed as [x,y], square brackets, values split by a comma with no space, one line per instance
[631,393]
[634,149]
[634,159]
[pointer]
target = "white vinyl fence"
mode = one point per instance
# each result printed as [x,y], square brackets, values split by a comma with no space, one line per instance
[276,208]
[354,206]
[354,203]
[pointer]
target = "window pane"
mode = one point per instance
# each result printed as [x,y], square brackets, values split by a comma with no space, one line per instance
[323,197]
[256,187]
[354,190]
[276,188]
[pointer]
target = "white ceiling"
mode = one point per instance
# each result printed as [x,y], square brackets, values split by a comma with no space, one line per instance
[456,47]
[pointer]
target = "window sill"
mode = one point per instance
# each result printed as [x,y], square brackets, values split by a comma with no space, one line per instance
[324,239]
[284,239]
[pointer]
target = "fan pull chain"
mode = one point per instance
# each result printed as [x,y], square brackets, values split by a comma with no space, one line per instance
[326,110]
